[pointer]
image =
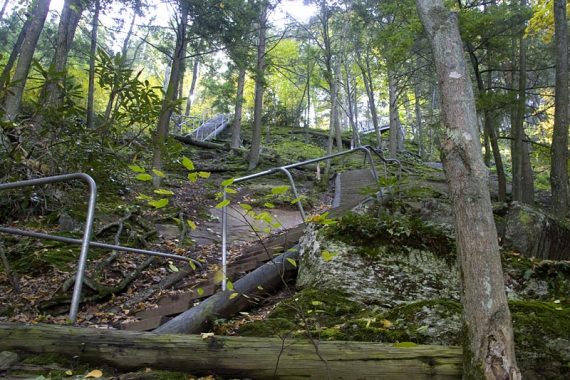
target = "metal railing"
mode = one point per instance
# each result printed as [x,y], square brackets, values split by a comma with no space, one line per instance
[85,242]
[285,170]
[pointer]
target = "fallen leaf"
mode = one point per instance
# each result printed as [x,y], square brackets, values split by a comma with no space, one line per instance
[96,373]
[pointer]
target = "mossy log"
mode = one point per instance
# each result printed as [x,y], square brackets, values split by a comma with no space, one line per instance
[257,358]
[246,292]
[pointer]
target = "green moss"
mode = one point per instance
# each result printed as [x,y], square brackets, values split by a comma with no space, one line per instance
[401,234]
[46,359]
[268,327]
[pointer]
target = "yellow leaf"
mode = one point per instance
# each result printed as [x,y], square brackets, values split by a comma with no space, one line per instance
[68,372]
[206,335]
[191,224]
[96,373]
[218,277]
[200,291]
[233,295]
[386,323]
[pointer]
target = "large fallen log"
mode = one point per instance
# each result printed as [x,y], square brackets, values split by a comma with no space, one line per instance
[265,279]
[257,358]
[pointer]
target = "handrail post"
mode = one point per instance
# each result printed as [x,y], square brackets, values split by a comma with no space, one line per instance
[295,193]
[76,297]
[224,240]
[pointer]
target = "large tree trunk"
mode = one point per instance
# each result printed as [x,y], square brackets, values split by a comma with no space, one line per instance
[419,125]
[559,155]
[255,150]
[369,87]
[167,103]
[92,59]
[195,67]
[236,126]
[236,357]
[14,98]
[489,343]
[70,15]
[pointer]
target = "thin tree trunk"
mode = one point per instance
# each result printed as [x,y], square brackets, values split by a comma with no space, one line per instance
[336,113]
[195,67]
[489,344]
[14,53]
[14,98]
[394,117]
[127,40]
[419,124]
[92,59]
[3,10]
[172,89]
[559,153]
[236,127]
[70,16]
[523,189]
[255,150]
[369,87]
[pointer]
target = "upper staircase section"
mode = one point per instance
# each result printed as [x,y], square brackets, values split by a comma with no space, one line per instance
[211,128]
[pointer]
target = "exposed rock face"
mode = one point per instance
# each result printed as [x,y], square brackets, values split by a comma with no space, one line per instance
[387,279]
[536,234]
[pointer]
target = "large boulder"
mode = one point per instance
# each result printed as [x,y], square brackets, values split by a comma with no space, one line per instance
[534,233]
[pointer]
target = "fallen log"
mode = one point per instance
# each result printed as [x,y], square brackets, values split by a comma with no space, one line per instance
[246,291]
[257,358]
[202,144]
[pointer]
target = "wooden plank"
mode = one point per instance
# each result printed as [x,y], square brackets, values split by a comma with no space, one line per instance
[257,358]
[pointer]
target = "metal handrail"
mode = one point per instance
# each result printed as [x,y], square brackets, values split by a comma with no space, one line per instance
[386,161]
[285,170]
[86,241]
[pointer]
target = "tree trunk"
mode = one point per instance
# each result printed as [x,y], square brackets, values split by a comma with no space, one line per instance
[167,103]
[92,59]
[394,117]
[336,114]
[265,279]
[369,87]
[14,53]
[419,124]
[236,357]
[3,10]
[70,15]
[255,150]
[489,343]
[127,40]
[195,67]
[14,97]
[523,189]
[559,153]
[236,126]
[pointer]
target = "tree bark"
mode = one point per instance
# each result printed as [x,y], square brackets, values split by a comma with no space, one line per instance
[255,150]
[70,15]
[419,123]
[489,343]
[195,67]
[236,126]
[235,357]
[559,153]
[168,102]
[14,98]
[395,132]
[14,53]
[523,181]
[92,59]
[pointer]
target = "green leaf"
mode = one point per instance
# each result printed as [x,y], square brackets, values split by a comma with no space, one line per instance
[204,174]
[223,203]
[228,182]
[163,192]
[298,199]
[200,291]
[245,206]
[279,190]
[172,267]
[188,164]
[159,203]
[327,256]
[136,169]
[144,177]
[158,173]
[192,177]
[192,265]
[229,285]
[191,224]
[233,295]
[268,205]
[292,262]
[229,190]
